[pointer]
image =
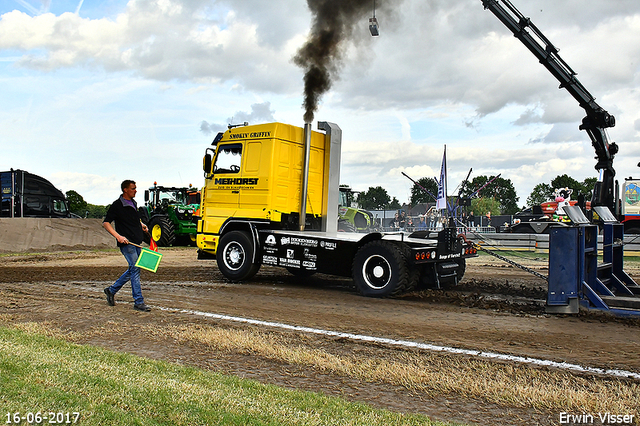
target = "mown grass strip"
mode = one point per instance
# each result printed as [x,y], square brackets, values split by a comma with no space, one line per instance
[45,374]
[430,373]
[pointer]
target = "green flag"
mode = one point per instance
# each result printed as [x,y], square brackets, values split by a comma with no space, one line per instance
[149,260]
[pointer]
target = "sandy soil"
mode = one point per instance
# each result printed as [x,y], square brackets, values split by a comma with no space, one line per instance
[65,290]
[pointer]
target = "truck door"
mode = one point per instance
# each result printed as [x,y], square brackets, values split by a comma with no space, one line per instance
[254,191]
[224,193]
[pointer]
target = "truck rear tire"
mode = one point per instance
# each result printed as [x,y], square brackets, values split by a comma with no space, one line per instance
[162,230]
[381,269]
[235,256]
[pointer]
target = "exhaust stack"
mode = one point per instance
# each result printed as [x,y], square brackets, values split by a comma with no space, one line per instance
[305,175]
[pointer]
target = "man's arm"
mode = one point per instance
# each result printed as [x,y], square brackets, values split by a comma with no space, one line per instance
[118,237]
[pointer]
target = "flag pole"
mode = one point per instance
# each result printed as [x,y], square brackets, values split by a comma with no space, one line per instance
[442,202]
[444,162]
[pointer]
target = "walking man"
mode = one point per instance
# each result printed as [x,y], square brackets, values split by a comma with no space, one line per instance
[128,231]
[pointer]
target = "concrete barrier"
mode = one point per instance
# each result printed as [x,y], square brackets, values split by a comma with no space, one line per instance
[19,235]
[540,242]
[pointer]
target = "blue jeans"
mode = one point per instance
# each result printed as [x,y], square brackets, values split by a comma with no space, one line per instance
[130,253]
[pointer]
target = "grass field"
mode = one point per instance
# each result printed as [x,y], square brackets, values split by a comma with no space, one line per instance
[43,374]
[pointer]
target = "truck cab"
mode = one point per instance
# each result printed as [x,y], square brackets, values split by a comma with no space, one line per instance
[25,194]
[253,175]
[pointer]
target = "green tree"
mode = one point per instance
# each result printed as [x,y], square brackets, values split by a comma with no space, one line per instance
[77,204]
[500,189]
[584,188]
[96,212]
[541,192]
[482,206]
[565,181]
[418,195]
[394,204]
[587,186]
[374,198]
[544,192]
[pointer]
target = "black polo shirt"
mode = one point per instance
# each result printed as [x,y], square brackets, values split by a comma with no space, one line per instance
[127,220]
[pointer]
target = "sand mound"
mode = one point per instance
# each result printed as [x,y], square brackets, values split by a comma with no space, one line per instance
[38,234]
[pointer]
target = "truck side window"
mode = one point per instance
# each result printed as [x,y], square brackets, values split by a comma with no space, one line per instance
[228,159]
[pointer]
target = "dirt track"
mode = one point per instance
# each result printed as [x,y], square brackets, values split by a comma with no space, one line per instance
[65,291]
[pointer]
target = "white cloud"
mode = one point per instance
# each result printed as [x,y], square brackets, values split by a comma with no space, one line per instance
[139,79]
[162,40]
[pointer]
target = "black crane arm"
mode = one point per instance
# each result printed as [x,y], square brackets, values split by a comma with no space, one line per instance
[597,118]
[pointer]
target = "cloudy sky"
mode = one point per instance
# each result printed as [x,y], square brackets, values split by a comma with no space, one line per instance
[94,92]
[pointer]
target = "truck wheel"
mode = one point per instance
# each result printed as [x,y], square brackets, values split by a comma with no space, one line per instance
[162,231]
[235,256]
[380,269]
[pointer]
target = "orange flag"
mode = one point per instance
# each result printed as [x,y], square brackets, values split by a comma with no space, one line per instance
[152,245]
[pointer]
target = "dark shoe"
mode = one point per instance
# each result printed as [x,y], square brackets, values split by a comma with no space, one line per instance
[110,299]
[142,307]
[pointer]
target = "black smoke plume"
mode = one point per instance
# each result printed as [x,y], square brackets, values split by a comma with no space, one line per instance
[334,22]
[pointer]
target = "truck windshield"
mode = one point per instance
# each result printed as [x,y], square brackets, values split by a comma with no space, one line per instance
[172,197]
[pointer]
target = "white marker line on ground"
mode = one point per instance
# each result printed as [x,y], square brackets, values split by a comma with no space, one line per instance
[417,345]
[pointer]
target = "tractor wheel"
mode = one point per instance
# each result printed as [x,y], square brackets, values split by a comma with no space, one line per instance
[162,231]
[235,256]
[380,269]
[346,226]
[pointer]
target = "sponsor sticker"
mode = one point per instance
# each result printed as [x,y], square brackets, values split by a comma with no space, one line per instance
[328,245]
[270,260]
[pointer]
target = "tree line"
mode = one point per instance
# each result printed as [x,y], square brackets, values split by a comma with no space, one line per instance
[77,205]
[486,193]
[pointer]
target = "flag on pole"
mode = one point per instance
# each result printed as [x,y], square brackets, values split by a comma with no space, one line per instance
[153,245]
[149,260]
[441,202]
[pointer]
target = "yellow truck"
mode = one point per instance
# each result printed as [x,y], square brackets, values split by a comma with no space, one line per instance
[271,197]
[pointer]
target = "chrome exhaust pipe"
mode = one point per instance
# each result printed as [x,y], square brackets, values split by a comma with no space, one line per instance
[305,175]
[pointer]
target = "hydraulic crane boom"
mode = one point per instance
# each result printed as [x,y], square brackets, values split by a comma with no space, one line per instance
[597,118]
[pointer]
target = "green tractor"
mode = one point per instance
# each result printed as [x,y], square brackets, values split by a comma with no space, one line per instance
[351,218]
[171,214]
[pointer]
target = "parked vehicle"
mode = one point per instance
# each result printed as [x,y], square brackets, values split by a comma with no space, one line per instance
[170,213]
[27,195]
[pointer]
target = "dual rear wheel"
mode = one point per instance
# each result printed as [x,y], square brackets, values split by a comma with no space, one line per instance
[381,269]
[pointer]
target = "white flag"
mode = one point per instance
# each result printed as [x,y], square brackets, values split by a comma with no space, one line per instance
[441,203]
